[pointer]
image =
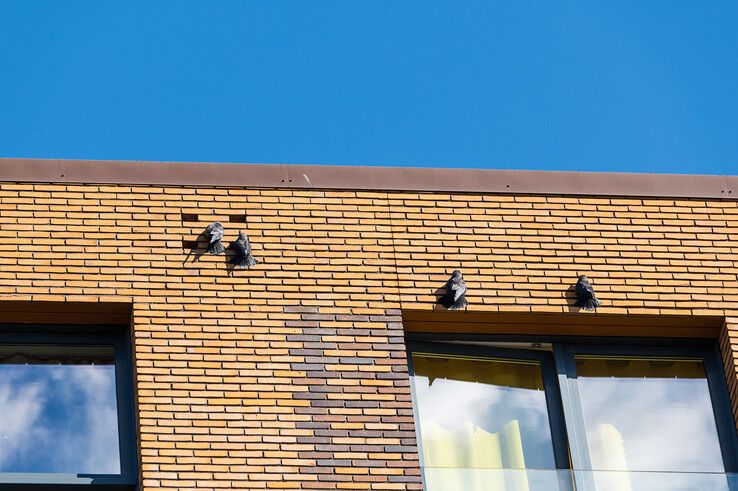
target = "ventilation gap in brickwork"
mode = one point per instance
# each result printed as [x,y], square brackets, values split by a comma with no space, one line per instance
[190,245]
[189,217]
[237,218]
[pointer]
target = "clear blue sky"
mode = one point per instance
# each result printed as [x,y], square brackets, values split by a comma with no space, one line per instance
[569,85]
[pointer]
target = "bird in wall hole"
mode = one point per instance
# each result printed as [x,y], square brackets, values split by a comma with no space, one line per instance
[455,296]
[242,257]
[586,298]
[214,232]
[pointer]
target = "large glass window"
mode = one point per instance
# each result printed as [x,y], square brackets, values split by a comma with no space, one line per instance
[479,417]
[671,396]
[556,416]
[65,410]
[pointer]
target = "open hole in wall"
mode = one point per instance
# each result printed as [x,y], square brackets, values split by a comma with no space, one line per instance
[237,218]
[189,217]
[190,245]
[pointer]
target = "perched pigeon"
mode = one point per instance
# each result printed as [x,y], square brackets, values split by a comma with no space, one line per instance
[215,234]
[242,257]
[454,298]
[586,298]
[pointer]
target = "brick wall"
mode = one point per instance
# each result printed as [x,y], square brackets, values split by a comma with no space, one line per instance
[292,375]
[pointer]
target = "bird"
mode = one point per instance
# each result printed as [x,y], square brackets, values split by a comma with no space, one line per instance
[455,296]
[586,298]
[214,232]
[242,257]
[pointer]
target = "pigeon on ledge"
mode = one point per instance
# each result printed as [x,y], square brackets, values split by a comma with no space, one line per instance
[455,296]
[242,257]
[586,298]
[214,232]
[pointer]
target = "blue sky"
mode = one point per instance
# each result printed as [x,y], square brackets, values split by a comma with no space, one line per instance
[566,85]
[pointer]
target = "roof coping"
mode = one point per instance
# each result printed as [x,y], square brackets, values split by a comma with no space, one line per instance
[298,176]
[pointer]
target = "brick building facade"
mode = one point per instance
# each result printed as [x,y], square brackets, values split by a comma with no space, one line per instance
[293,374]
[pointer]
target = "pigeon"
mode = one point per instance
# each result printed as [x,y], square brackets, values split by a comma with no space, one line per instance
[215,234]
[586,298]
[454,298]
[242,257]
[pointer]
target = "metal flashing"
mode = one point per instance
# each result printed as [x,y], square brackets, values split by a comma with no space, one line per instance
[418,179]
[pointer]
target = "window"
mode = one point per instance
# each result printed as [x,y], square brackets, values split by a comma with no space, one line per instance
[559,416]
[66,410]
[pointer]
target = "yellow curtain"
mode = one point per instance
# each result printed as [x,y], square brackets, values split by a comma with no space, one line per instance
[608,460]
[442,456]
[526,375]
[475,459]
[484,459]
[513,458]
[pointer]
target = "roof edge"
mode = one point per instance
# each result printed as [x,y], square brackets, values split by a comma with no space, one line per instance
[489,181]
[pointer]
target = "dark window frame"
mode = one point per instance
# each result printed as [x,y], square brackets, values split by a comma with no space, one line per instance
[566,425]
[119,338]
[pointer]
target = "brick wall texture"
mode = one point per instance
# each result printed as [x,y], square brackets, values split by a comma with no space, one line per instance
[293,375]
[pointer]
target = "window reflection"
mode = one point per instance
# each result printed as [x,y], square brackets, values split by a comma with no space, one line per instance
[483,422]
[58,410]
[646,415]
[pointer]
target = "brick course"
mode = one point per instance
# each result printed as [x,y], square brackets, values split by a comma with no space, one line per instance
[293,375]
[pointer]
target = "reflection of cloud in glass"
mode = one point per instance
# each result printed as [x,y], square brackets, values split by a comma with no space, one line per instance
[19,410]
[665,424]
[58,418]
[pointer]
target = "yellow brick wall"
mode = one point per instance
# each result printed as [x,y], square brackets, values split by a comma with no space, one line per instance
[292,375]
